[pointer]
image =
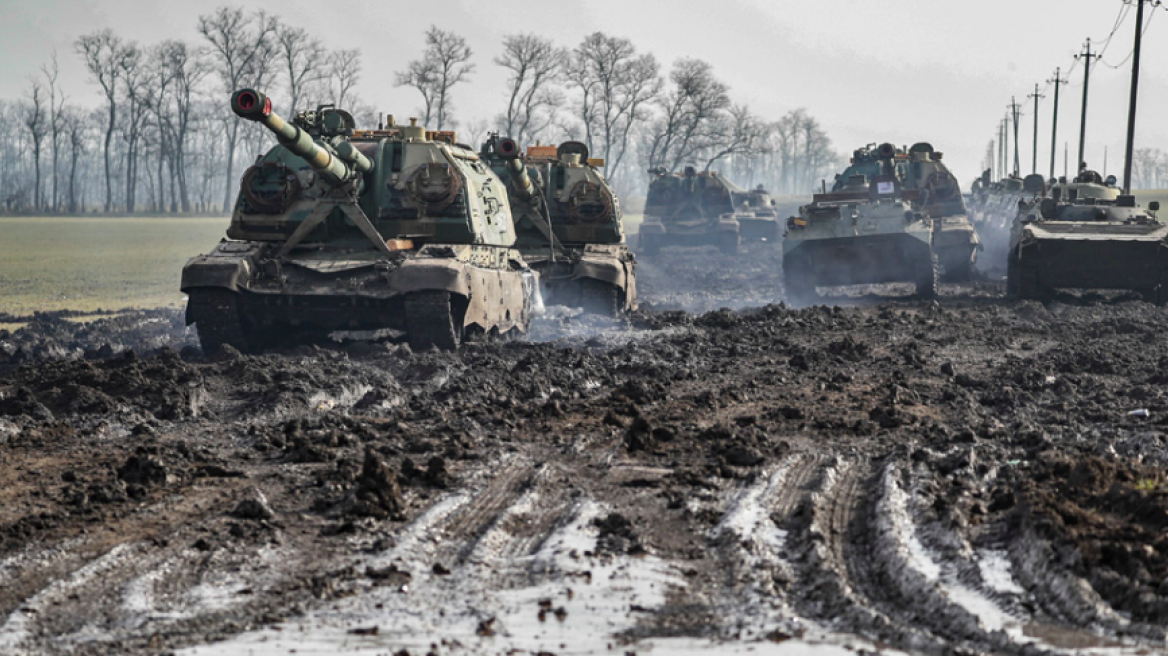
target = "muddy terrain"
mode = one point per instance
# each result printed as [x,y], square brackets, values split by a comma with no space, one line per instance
[886,475]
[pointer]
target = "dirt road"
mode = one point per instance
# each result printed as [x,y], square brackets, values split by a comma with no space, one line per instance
[962,476]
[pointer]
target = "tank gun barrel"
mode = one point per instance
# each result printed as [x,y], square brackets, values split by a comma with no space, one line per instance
[335,167]
[516,169]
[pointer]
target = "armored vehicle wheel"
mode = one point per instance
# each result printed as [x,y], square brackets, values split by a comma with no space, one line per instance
[430,321]
[601,298]
[1012,276]
[959,273]
[927,278]
[728,243]
[1029,286]
[649,245]
[800,289]
[215,313]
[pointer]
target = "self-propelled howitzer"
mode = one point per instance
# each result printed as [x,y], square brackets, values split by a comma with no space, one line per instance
[568,223]
[342,229]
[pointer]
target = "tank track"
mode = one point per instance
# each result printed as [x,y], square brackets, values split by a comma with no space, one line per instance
[217,319]
[430,321]
[600,298]
[928,278]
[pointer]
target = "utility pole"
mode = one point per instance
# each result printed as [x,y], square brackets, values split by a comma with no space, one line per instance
[1087,58]
[1135,85]
[1000,169]
[1036,96]
[1014,110]
[1057,82]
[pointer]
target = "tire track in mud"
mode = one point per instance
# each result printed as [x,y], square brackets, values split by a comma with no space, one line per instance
[864,570]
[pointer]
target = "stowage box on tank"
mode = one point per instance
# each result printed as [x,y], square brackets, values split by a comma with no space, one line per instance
[568,222]
[343,229]
[1087,234]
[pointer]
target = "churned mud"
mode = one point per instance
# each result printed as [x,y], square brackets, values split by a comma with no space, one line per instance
[881,475]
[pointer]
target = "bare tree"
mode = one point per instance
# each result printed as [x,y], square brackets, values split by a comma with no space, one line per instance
[36,122]
[188,67]
[103,53]
[240,45]
[76,127]
[691,115]
[536,65]
[443,65]
[304,60]
[739,132]
[344,69]
[51,71]
[615,84]
[139,92]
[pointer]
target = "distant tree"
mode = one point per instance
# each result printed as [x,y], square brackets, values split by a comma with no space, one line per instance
[35,120]
[240,46]
[76,127]
[103,53]
[443,65]
[304,60]
[615,84]
[536,66]
[344,69]
[691,115]
[51,72]
[739,132]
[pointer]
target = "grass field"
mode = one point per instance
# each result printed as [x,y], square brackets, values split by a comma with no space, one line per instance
[87,264]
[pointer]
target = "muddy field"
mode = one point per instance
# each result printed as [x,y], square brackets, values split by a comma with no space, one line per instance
[953,477]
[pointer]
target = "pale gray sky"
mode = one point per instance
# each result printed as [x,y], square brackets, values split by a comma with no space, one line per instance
[898,70]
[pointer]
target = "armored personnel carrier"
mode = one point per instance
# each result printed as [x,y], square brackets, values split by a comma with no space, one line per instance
[568,224]
[994,214]
[343,229]
[690,209]
[1087,234]
[865,231]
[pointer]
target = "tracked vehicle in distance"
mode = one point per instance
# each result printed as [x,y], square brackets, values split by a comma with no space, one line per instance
[343,229]
[568,224]
[1087,234]
[689,209]
[865,231]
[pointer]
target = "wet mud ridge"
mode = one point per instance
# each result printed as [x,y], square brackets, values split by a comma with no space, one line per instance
[953,477]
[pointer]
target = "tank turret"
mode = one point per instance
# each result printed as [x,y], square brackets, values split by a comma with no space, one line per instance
[337,228]
[521,184]
[335,163]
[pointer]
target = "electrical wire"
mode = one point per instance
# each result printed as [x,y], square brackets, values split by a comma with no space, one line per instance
[1147,24]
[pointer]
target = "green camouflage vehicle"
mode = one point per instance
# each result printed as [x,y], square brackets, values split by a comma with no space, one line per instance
[865,231]
[568,224]
[689,209]
[1087,234]
[344,229]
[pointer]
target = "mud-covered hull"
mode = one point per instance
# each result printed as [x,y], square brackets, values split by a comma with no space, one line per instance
[281,299]
[864,260]
[956,243]
[723,233]
[600,278]
[1085,256]
[754,228]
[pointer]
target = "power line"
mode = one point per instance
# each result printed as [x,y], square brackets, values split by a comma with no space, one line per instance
[1129,55]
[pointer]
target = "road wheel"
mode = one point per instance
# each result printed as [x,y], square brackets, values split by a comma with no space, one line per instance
[217,319]
[598,297]
[926,280]
[799,287]
[1012,276]
[728,243]
[1029,286]
[650,245]
[430,321]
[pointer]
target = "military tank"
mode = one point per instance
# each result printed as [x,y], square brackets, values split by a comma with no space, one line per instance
[568,224]
[955,242]
[1087,234]
[336,228]
[998,205]
[865,231]
[690,209]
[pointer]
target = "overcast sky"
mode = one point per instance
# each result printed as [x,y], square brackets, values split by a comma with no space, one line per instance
[898,70]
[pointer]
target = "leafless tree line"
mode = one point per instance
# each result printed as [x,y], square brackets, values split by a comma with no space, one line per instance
[1149,168]
[163,140]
